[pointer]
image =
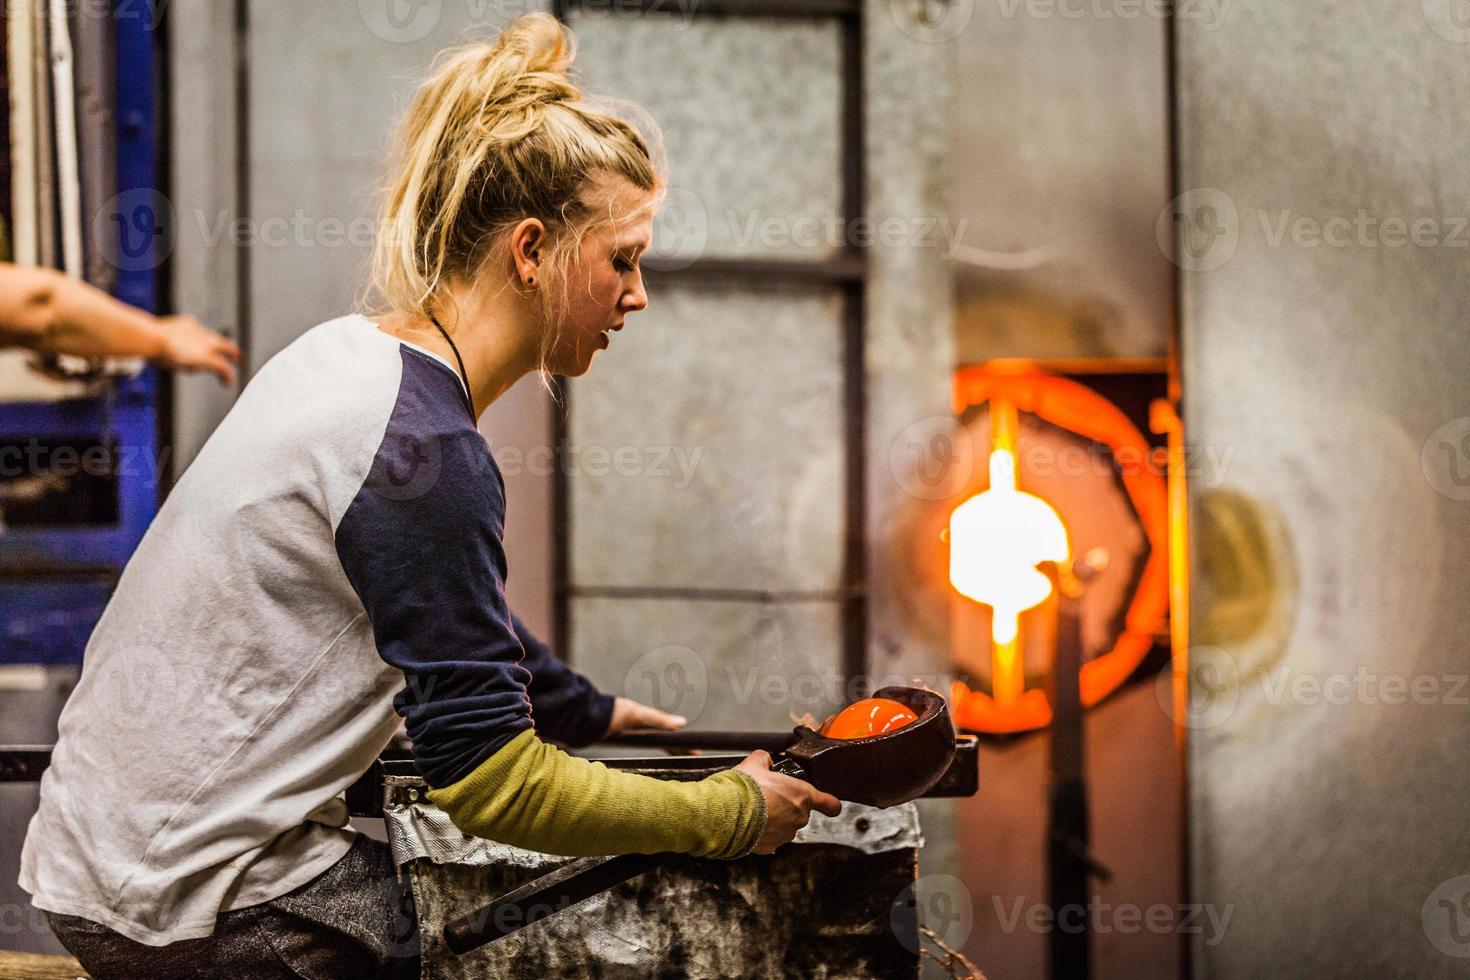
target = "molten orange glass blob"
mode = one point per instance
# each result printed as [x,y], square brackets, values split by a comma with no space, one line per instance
[870,716]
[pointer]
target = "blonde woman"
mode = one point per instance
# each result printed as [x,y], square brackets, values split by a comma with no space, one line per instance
[332,560]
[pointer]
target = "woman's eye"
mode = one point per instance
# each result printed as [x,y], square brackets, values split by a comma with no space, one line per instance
[622,265]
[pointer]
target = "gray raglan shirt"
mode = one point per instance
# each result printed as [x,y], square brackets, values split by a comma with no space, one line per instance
[330,561]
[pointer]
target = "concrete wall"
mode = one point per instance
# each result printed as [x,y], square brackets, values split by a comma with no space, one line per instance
[1326,351]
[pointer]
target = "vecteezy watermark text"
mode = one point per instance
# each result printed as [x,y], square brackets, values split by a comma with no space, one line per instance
[676,463]
[1216,688]
[1212,12]
[1207,921]
[1363,230]
[36,457]
[834,230]
[1365,687]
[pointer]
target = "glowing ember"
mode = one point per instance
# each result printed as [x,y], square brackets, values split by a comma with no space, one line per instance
[870,716]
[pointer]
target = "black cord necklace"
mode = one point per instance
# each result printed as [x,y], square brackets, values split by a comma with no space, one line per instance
[469,395]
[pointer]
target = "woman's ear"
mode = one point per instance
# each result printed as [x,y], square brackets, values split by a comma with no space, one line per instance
[526,240]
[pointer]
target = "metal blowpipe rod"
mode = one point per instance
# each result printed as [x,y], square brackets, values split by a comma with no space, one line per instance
[772,742]
[1069,861]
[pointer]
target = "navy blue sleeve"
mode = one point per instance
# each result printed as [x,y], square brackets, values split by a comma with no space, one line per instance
[568,708]
[421,546]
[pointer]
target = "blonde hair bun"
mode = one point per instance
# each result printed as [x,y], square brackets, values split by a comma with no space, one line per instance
[542,43]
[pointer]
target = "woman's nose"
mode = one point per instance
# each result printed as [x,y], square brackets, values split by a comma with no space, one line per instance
[635,298]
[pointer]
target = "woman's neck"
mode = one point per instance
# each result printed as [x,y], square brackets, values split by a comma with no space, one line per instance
[493,339]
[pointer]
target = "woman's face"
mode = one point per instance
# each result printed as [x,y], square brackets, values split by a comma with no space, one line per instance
[604,283]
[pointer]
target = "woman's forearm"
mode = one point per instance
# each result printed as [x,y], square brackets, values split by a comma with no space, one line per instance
[532,795]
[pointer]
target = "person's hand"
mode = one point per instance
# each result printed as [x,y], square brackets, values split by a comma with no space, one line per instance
[789,801]
[630,716]
[191,346]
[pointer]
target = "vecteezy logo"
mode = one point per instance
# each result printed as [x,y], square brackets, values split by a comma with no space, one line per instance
[1199,229]
[1446,459]
[932,21]
[1446,917]
[407,466]
[140,688]
[671,678]
[680,231]
[400,21]
[941,903]
[1213,691]
[134,230]
[933,458]
[1450,19]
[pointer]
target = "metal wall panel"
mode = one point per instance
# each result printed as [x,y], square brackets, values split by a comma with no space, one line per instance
[749,110]
[740,666]
[1057,172]
[1325,350]
[708,445]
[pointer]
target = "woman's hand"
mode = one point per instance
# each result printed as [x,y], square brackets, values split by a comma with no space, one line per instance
[191,346]
[789,801]
[630,716]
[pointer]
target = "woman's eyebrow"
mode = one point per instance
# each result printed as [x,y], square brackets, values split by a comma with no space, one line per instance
[633,245]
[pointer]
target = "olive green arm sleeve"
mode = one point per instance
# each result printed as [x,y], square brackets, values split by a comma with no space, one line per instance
[533,795]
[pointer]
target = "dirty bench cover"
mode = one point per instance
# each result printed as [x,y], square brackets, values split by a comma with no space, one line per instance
[822,907]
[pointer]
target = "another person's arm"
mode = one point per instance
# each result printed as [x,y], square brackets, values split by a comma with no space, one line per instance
[46,311]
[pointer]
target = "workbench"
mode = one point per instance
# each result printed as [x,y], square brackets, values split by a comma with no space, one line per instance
[835,903]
